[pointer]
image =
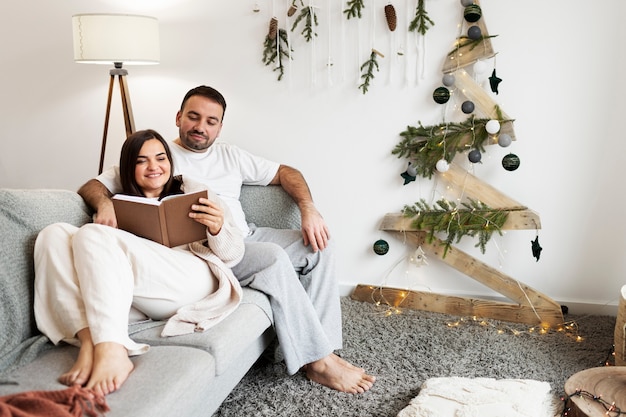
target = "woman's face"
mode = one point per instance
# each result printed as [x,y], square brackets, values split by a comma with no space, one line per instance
[152,168]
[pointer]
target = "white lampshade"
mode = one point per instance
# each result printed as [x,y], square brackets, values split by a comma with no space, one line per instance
[111,38]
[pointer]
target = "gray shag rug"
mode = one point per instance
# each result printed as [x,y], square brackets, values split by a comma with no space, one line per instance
[404,350]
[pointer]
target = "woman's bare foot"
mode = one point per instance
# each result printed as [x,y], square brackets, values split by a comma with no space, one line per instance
[111,368]
[81,370]
[340,375]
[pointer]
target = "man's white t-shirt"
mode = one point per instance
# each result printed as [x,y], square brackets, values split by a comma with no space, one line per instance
[223,168]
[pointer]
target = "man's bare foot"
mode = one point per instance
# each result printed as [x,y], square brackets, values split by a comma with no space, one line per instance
[81,370]
[111,368]
[340,375]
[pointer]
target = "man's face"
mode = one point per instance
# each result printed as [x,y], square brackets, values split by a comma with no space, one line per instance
[199,123]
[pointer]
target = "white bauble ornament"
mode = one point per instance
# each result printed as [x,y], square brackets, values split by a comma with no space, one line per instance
[480,67]
[442,165]
[492,127]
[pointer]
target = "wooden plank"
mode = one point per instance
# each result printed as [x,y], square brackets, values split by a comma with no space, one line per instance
[516,220]
[477,189]
[456,306]
[488,276]
[466,55]
[543,308]
[619,333]
[485,105]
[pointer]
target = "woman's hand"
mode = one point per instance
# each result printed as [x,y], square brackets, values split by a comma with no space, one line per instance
[209,214]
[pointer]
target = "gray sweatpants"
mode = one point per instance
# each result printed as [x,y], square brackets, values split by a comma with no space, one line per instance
[303,292]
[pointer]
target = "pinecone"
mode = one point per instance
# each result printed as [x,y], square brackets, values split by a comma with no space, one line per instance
[292,10]
[390,14]
[273,28]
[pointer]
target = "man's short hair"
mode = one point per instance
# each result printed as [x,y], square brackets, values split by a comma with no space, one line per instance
[207,92]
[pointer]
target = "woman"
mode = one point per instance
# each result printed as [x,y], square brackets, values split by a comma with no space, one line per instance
[87,279]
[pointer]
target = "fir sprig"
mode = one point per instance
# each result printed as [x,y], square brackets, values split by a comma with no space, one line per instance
[354,9]
[310,20]
[421,22]
[271,51]
[464,41]
[472,218]
[425,145]
[368,68]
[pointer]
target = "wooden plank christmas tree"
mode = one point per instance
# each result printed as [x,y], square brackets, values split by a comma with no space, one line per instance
[430,151]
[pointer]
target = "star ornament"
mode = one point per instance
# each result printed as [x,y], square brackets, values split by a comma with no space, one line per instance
[536,248]
[494,81]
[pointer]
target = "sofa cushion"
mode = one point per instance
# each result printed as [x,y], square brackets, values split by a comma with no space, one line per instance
[23,213]
[165,382]
[226,340]
[269,206]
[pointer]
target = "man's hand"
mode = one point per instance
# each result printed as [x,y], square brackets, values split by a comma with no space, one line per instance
[314,229]
[98,197]
[209,214]
[106,215]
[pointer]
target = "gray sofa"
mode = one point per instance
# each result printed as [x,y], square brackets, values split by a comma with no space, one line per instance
[186,375]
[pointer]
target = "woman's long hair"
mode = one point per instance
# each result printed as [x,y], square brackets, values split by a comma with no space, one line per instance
[128,160]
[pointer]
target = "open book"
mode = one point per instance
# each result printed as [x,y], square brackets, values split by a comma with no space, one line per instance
[166,222]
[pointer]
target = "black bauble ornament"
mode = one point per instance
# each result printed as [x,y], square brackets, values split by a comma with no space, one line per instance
[381,247]
[510,162]
[474,156]
[467,107]
[472,13]
[474,33]
[441,95]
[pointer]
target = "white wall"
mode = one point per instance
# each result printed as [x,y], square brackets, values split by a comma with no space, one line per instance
[560,61]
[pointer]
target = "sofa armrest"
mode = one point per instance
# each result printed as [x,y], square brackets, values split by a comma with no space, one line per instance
[269,206]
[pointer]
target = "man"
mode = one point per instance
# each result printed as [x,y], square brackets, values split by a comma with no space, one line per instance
[299,280]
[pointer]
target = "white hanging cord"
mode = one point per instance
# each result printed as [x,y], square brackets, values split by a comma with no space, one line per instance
[329,63]
[313,47]
[342,25]
[407,38]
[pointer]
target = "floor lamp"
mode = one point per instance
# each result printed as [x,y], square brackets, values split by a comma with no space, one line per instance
[116,39]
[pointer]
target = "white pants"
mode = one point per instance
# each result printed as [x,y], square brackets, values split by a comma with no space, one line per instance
[92,276]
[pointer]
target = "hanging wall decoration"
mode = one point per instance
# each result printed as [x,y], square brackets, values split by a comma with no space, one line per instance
[309,18]
[276,48]
[305,19]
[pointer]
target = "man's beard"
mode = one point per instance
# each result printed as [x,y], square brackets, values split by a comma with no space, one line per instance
[193,144]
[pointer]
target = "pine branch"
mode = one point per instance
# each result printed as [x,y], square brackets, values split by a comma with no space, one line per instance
[310,19]
[368,68]
[425,145]
[464,41]
[471,219]
[421,21]
[354,9]
[271,54]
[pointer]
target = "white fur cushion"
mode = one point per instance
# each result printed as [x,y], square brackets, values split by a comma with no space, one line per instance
[481,397]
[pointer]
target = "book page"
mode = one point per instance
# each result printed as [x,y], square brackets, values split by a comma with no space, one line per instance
[137,199]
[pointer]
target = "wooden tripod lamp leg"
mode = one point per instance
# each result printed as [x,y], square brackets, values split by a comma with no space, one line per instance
[106,125]
[129,121]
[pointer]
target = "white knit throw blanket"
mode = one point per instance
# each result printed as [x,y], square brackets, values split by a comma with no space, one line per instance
[481,397]
[215,307]
[212,309]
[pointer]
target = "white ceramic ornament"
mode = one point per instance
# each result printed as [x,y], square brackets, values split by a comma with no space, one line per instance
[480,67]
[492,127]
[442,165]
